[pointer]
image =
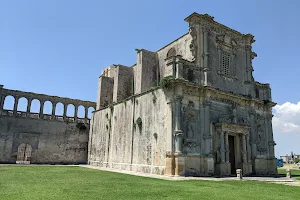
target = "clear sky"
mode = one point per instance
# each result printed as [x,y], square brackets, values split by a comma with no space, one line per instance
[60,47]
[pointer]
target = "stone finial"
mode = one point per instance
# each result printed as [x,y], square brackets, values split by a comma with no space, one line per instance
[288,173]
[239,174]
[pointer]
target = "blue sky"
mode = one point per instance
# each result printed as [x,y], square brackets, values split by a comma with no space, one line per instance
[60,47]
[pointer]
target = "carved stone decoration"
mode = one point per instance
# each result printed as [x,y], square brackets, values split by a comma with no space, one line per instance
[189,115]
[193,45]
[225,119]
[190,146]
[244,121]
[220,38]
[260,140]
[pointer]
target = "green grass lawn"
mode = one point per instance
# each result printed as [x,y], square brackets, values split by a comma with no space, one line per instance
[54,182]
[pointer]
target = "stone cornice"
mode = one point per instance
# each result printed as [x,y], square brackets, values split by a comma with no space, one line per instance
[199,90]
[205,20]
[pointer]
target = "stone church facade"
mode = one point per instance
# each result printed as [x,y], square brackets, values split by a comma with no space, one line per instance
[191,108]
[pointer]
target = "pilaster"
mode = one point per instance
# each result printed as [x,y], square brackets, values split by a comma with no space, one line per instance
[226,147]
[29,105]
[178,134]
[16,105]
[53,109]
[42,109]
[207,132]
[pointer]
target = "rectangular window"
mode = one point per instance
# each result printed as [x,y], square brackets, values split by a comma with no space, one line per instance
[226,63]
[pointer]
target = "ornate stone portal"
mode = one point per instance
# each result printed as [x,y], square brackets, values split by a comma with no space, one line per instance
[191,108]
[232,149]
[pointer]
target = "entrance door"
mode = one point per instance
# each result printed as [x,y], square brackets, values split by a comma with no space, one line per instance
[232,153]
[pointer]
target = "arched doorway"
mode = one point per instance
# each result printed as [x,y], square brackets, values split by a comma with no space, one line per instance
[24,154]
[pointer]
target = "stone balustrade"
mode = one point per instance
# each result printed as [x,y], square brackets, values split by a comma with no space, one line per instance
[42,98]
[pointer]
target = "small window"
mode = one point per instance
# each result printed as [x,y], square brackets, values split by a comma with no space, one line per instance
[226,63]
[190,75]
[171,53]
[257,93]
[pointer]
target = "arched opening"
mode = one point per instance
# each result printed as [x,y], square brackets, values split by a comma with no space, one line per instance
[171,53]
[9,103]
[24,152]
[59,109]
[22,104]
[90,110]
[47,108]
[81,112]
[35,106]
[70,110]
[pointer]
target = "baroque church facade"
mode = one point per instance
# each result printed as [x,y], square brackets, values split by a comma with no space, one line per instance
[192,108]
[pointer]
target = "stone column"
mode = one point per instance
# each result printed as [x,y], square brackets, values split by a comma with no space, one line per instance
[226,147]
[16,105]
[42,102]
[252,134]
[65,111]
[75,112]
[2,98]
[29,106]
[248,148]
[179,68]
[86,114]
[244,148]
[178,134]
[222,147]
[53,109]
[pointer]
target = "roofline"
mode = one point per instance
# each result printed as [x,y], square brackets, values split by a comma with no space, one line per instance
[207,17]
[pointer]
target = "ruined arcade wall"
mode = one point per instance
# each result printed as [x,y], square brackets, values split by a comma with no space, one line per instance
[53,138]
[133,135]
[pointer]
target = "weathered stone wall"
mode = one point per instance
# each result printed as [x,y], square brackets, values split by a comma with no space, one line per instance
[105,92]
[53,138]
[181,47]
[123,83]
[134,135]
[51,141]
[146,71]
[212,94]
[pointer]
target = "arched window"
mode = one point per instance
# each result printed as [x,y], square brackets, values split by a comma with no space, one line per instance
[47,108]
[81,112]
[59,109]
[9,103]
[22,104]
[70,110]
[35,106]
[171,53]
